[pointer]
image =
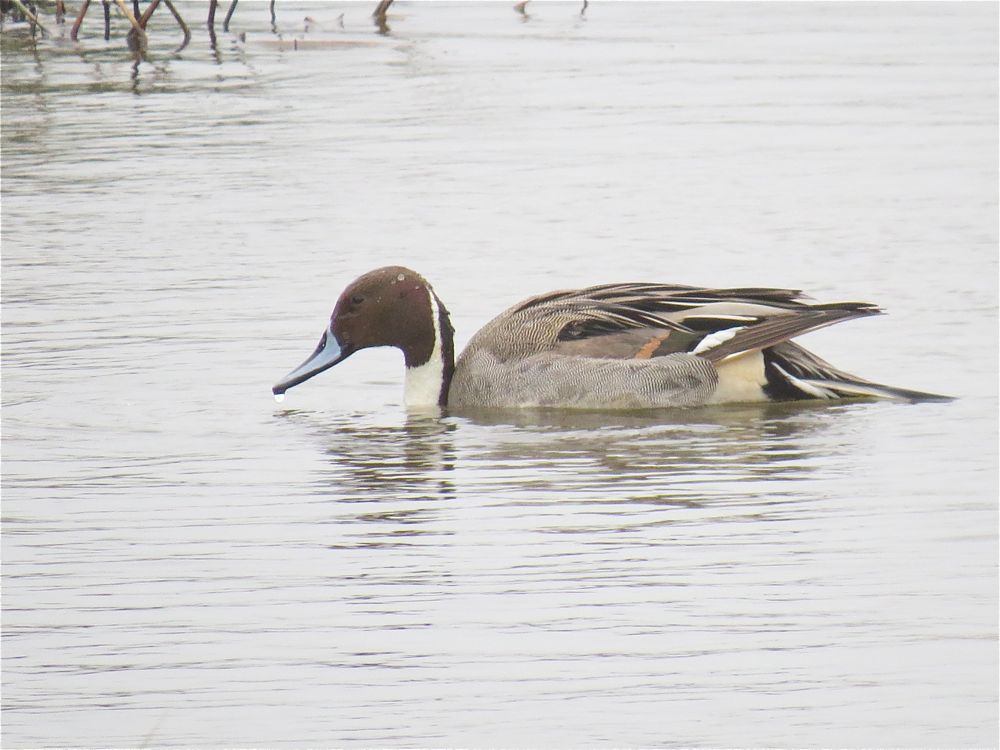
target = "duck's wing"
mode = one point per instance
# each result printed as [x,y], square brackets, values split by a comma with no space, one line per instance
[672,297]
[768,331]
[641,321]
[646,345]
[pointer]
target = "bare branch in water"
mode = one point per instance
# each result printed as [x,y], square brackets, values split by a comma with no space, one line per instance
[379,16]
[74,32]
[232,9]
[137,36]
[133,21]
[180,22]
[144,18]
[32,18]
[153,5]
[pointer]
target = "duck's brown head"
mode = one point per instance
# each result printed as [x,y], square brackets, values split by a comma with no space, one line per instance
[391,306]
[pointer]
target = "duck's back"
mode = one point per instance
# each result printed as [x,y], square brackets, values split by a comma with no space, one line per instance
[581,349]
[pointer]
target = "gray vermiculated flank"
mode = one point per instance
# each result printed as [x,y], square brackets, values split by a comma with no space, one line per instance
[510,362]
[582,382]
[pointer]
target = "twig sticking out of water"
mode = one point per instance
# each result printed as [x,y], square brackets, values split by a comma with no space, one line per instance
[232,9]
[32,18]
[379,16]
[213,4]
[137,36]
[144,20]
[129,16]
[84,6]
[79,19]
[180,22]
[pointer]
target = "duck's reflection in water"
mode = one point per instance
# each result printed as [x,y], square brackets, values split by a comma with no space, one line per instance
[390,473]
[711,455]
[419,457]
[736,460]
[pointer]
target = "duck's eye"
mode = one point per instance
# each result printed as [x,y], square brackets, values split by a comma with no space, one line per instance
[357,299]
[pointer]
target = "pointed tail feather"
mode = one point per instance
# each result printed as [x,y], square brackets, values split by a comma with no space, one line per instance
[794,372]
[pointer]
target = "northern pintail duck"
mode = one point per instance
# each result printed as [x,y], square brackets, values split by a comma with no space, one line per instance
[613,346]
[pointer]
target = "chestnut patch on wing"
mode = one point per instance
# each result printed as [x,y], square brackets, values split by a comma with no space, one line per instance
[649,348]
[638,343]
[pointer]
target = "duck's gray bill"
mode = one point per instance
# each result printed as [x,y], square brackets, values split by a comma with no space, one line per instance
[328,353]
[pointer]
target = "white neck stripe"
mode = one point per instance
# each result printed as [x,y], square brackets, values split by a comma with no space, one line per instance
[424,382]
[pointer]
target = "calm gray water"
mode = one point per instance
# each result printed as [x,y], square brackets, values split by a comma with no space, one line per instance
[186,562]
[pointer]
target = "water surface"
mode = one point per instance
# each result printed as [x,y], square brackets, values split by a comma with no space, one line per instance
[186,562]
